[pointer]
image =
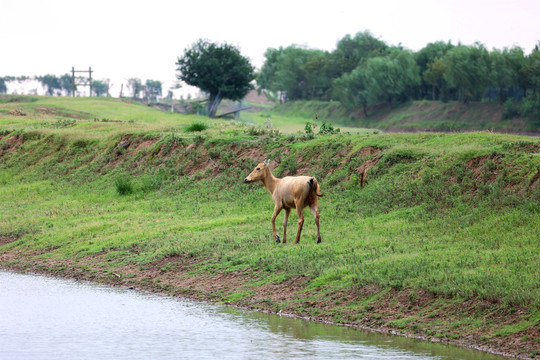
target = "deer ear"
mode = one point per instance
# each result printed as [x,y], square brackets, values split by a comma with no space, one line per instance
[266,162]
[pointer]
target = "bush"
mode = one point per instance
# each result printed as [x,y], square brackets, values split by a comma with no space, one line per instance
[123,185]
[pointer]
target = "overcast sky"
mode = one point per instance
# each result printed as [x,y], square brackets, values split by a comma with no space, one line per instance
[125,39]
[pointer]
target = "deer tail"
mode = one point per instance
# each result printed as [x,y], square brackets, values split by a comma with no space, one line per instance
[314,187]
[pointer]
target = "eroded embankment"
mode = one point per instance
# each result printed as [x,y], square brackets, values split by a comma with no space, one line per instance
[410,245]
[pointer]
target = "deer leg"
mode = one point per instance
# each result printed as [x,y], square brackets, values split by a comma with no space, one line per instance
[277,210]
[315,211]
[287,212]
[300,213]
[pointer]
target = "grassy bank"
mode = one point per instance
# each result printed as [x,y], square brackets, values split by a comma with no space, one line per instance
[414,116]
[435,235]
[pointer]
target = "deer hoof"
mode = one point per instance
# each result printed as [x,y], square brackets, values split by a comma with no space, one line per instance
[319,240]
[277,239]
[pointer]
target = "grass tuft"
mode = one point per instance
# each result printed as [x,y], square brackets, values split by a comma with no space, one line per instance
[196,127]
[123,185]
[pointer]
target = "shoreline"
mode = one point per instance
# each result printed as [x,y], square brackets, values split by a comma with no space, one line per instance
[116,280]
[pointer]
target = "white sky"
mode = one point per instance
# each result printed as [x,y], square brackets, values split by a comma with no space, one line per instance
[124,39]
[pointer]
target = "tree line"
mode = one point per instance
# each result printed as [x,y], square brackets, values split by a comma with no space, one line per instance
[63,86]
[364,71]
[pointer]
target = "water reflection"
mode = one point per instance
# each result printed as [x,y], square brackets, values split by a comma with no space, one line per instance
[47,318]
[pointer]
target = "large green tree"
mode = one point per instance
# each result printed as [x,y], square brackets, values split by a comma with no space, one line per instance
[434,76]
[505,67]
[352,51]
[468,71]
[392,78]
[531,81]
[296,73]
[352,91]
[431,66]
[217,69]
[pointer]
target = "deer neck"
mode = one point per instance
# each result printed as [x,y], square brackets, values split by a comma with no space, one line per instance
[270,182]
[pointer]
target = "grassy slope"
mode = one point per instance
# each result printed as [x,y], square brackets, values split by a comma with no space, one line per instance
[442,242]
[414,116]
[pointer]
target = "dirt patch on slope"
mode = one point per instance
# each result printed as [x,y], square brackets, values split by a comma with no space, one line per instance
[485,168]
[362,170]
[535,180]
[12,144]
[146,144]
[8,239]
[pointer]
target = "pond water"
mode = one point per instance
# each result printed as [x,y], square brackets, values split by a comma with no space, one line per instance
[49,318]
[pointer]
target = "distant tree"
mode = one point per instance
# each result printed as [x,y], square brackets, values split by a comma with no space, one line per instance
[100,87]
[50,83]
[3,86]
[66,83]
[296,73]
[152,89]
[352,91]
[434,76]
[266,76]
[315,71]
[505,66]
[531,81]
[426,58]
[136,87]
[352,51]
[217,69]
[468,71]
[393,77]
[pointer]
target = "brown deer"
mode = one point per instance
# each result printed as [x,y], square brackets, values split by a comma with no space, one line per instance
[289,192]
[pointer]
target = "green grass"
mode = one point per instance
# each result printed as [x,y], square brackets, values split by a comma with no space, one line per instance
[412,116]
[431,218]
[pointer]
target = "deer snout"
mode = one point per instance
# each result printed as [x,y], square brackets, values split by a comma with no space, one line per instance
[246,180]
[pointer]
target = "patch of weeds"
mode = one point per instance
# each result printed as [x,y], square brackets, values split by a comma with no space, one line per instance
[81,143]
[168,267]
[196,127]
[290,164]
[199,139]
[124,185]
[63,123]
[151,182]
[228,157]
[235,297]
[215,152]
[519,327]
[328,129]
[309,130]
